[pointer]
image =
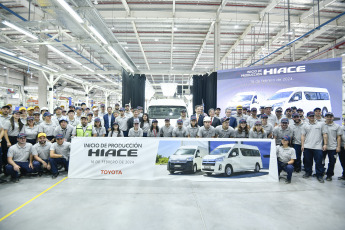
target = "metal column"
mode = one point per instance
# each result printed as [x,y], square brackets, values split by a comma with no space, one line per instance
[42,83]
[216,46]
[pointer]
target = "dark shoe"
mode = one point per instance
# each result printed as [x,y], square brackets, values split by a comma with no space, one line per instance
[329,178]
[320,179]
[15,180]
[288,182]
[341,178]
[55,175]
[40,174]
[2,181]
[306,176]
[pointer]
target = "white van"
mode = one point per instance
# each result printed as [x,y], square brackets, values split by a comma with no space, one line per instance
[230,158]
[166,108]
[246,99]
[307,98]
[187,159]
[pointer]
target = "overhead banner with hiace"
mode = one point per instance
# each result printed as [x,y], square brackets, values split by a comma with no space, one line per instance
[112,158]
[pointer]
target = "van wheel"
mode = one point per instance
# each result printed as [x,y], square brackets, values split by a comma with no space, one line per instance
[324,111]
[208,174]
[257,167]
[171,171]
[228,170]
[195,168]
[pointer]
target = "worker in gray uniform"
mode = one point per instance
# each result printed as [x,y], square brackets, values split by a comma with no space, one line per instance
[184,118]
[41,152]
[180,130]
[253,117]
[224,130]
[167,129]
[65,129]
[48,126]
[59,154]
[318,115]
[280,131]
[136,131]
[193,127]
[206,131]
[267,127]
[297,127]
[122,121]
[286,156]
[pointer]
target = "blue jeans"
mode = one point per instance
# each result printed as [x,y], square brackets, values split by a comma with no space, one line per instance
[125,133]
[41,168]
[309,156]
[332,159]
[55,161]
[24,167]
[297,163]
[287,168]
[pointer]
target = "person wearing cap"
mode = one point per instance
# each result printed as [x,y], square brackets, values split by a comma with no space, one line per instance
[257,131]
[232,120]
[37,118]
[334,134]
[71,107]
[167,129]
[31,130]
[58,116]
[116,113]
[301,114]
[184,118]
[96,115]
[20,159]
[5,114]
[214,121]
[128,113]
[102,112]
[65,129]
[206,131]
[242,130]
[141,111]
[239,114]
[267,127]
[79,113]
[145,124]
[294,109]
[311,145]
[64,113]
[23,114]
[48,126]
[130,121]
[90,118]
[286,157]
[43,111]
[117,107]
[135,131]
[86,111]
[37,109]
[262,111]
[180,130]
[245,111]
[83,106]
[318,115]
[279,114]
[217,112]
[224,130]
[271,118]
[283,130]
[199,115]
[41,152]
[99,127]
[154,129]
[59,154]
[122,121]
[253,117]
[288,115]
[30,111]
[84,129]
[193,127]
[297,127]
[71,119]
[115,131]
[108,119]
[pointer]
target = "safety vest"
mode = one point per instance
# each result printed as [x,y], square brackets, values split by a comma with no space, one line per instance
[81,133]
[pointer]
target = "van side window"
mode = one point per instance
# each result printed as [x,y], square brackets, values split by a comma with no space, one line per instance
[256,153]
[232,153]
[246,152]
[298,95]
[323,96]
[310,95]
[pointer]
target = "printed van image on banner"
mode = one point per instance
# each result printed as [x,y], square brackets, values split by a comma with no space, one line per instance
[306,85]
[173,158]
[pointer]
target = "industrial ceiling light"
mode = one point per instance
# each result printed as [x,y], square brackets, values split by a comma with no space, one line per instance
[175,29]
[95,2]
[27,33]
[28,60]
[156,39]
[70,11]
[63,55]
[236,26]
[126,47]
[89,69]
[100,37]
[7,52]
[308,51]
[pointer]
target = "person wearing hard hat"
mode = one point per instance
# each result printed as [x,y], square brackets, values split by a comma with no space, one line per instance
[239,114]
[43,111]
[41,152]
[37,109]
[207,130]
[23,114]
[30,111]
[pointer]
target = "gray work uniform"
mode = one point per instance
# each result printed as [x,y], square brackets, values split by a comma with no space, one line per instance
[56,119]
[320,120]
[206,133]
[128,114]
[153,133]
[177,132]
[333,131]
[42,151]
[63,149]
[186,121]
[285,154]
[38,122]
[100,131]
[74,122]
[272,119]
[343,136]
[11,132]
[291,121]
[256,134]
[222,133]
[133,133]
[241,135]
[20,154]
[192,131]
[31,133]
[67,132]
[115,134]
[238,118]
[296,133]
[46,128]
[166,131]
[78,118]
[268,128]
[251,121]
[3,119]
[313,135]
[279,133]
[146,127]
[122,121]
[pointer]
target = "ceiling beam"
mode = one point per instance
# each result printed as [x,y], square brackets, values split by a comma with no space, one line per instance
[140,45]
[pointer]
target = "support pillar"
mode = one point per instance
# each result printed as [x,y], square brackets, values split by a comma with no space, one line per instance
[106,94]
[216,66]
[6,81]
[42,83]
[51,93]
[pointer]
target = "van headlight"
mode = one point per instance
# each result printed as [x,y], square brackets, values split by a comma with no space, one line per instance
[190,158]
[220,159]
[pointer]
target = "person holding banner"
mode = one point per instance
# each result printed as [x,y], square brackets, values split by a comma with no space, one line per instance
[122,121]
[257,131]
[59,154]
[84,129]
[286,157]
[100,130]
[167,129]
[193,127]
[115,131]
[180,130]
[207,131]
[283,130]
[136,131]
[242,131]
[253,118]
[41,152]
[224,130]
[267,127]
[296,140]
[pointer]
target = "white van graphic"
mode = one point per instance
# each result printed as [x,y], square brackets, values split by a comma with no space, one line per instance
[230,158]
[307,98]
[246,99]
[187,159]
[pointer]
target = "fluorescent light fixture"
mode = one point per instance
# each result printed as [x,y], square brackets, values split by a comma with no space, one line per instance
[175,29]
[63,55]
[308,51]
[236,26]
[89,69]
[168,89]
[100,37]
[70,11]
[126,47]
[7,52]
[28,60]
[48,68]
[27,33]
[156,39]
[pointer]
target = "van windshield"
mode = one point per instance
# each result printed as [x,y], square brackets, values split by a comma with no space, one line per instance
[162,112]
[185,152]
[219,151]
[239,98]
[280,95]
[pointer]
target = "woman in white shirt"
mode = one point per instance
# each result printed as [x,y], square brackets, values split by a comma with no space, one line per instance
[115,131]
[99,128]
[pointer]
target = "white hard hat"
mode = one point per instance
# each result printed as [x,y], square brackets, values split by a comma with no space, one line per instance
[207,119]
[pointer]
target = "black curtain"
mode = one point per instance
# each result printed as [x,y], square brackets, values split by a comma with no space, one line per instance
[205,91]
[126,91]
[133,89]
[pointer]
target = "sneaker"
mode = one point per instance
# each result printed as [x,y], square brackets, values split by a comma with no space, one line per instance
[55,175]
[341,178]
[329,178]
[320,179]
[288,182]
[306,176]
[15,180]
[40,174]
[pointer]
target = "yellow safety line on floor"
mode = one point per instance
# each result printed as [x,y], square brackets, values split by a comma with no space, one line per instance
[4,217]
